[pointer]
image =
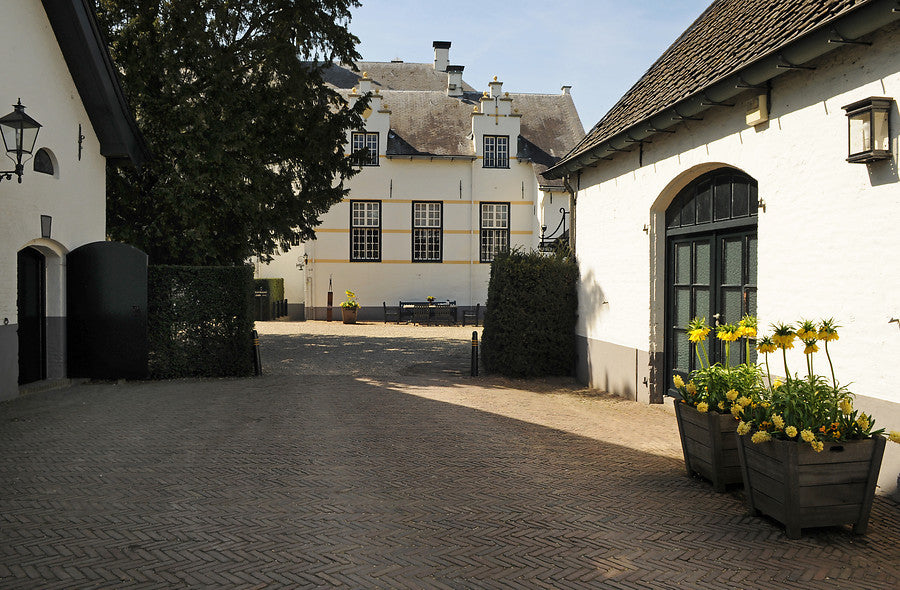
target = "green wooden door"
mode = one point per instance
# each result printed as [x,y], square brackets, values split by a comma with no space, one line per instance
[710,263]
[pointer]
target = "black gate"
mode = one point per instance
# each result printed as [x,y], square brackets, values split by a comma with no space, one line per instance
[107,311]
[31,305]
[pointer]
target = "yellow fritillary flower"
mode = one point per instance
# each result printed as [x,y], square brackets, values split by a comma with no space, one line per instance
[760,436]
[846,406]
[778,421]
[791,431]
[828,336]
[748,332]
[807,436]
[698,335]
[743,428]
[863,421]
[777,383]
[766,346]
[678,381]
[894,436]
[810,347]
[703,407]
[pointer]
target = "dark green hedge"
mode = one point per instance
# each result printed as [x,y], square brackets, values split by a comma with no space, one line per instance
[275,287]
[529,323]
[200,321]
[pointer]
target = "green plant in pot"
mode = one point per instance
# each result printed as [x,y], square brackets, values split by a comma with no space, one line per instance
[349,308]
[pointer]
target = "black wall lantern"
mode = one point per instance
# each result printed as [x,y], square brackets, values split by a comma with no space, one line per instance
[19,136]
[868,132]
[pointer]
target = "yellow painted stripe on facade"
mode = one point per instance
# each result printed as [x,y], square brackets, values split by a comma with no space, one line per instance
[460,231]
[396,231]
[341,261]
[332,230]
[521,233]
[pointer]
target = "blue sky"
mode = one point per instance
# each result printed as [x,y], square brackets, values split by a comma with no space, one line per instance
[599,47]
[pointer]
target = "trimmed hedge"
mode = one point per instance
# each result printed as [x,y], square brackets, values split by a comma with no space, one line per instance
[529,323]
[275,287]
[200,321]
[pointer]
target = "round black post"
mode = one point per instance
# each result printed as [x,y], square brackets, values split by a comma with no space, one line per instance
[474,370]
[257,359]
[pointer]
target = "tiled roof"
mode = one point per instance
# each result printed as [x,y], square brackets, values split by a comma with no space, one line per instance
[728,36]
[390,76]
[427,122]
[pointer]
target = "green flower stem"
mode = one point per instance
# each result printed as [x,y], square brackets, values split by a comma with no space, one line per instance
[828,356]
[769,373]
[784,355]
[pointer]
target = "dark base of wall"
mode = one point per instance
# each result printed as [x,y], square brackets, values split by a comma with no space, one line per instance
[9,362]
[615,369]
[296,312]
[376,314]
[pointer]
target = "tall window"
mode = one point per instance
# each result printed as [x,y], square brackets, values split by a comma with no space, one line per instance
[494,229]
[496,151]
[364,148]
[365,231]
[427,229]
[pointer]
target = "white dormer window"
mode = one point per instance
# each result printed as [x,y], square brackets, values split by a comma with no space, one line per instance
[496,151]
[364,148]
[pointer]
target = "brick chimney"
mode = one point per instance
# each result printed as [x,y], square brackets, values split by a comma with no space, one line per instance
[454,80]
[441,55]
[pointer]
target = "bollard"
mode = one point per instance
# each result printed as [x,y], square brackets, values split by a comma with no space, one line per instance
[257,360]
[474,371]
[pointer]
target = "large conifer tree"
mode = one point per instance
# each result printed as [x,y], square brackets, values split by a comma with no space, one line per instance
[247,141]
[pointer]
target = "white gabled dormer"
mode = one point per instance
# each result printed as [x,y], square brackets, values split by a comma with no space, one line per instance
[376,121]
[495,127]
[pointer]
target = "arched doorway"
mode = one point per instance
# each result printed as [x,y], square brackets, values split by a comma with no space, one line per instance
[32,314]
[710,262]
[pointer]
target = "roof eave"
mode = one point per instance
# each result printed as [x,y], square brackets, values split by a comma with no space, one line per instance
[856,23]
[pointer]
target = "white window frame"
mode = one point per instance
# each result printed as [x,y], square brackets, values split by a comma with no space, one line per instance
[364,140]
[427,231]
[365,231]
[496,151]
[494,230]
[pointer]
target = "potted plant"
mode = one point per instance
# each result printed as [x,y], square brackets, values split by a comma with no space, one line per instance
[808,458]
[349,308]
[712,402]
[430,299]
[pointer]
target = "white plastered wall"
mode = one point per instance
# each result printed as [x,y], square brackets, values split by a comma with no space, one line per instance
[828,239]
[34,70]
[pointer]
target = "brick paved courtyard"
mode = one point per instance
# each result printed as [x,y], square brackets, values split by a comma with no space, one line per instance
[367,458]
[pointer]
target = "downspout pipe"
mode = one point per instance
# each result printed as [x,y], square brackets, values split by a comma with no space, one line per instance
[858,23]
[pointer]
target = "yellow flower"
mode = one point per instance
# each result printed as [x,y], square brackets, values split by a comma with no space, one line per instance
[703,407]
[807,436]
[778,421]
[698,335]
[828,336]
[791,431]
[744,401]
[678,381]
[736,411]
[846,406]
[747,332]
[817,445]
[777,383]
[766,347]
[691,388]
[350,293]
[863,421]
[743,428]
[731,395]
[894,436]
[760,436]
[721,405]
[810,347]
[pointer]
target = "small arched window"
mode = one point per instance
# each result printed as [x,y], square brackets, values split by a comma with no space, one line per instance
[43,162]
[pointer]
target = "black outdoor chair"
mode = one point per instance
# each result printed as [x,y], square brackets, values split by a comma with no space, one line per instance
[391,314]
[421,314]
[472,314]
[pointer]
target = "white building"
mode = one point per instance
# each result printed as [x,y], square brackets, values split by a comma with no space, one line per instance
[450,176]
[56,63]
[720,184]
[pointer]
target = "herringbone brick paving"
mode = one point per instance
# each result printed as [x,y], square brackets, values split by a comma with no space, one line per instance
[383,469]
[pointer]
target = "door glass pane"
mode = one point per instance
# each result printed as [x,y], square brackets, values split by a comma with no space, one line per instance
[722,198]
[683,263]
[673,217]
[681,351]
[701,303]
[754,203]
[740,205]
[687,213]
[732,261]
[751,260]
[732,310]
[704,203]
[682,306]
[702,266]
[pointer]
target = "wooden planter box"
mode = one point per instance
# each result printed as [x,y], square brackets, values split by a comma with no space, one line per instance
[801,488]
[348,314]
[709,444]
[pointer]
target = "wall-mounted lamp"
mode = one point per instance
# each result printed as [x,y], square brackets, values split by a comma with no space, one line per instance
[868,135]
[19,136]
[46,220]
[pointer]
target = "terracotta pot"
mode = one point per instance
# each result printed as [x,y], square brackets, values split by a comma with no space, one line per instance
[801,488]
[709,444]
[348,314]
